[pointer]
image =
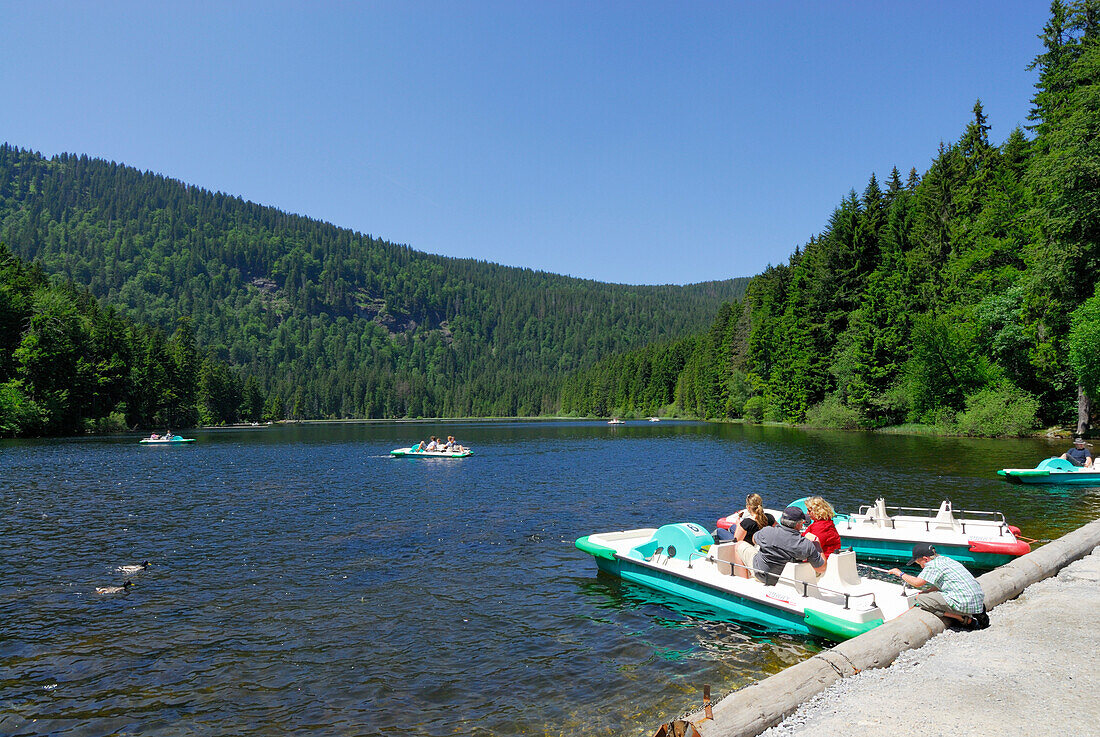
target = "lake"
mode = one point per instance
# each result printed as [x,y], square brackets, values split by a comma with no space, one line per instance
[302,581]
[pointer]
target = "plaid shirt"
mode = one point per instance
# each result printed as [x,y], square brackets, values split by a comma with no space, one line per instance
[962,590]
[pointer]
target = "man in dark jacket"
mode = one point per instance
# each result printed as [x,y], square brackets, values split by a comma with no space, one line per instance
[1079,455]
[777,546]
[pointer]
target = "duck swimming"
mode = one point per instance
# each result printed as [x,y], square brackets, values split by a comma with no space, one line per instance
[131,570]
[113,589]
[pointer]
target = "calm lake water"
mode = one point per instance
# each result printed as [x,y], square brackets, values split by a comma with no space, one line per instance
[304,582]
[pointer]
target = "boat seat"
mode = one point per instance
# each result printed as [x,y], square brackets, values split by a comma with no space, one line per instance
[723,555]
[945,518]
[798,572]
[877,514]
[840,571]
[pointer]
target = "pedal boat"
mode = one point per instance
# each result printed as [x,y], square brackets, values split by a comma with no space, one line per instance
[979,539]
[682,560]
[162,441]
[1052,471]
[410,453]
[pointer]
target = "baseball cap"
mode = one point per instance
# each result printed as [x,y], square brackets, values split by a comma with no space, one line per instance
[921,550]
[792,516]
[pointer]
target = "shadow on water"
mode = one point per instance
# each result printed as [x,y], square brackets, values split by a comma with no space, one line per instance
[305,582]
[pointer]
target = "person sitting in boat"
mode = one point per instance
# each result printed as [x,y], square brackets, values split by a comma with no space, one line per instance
[154,436]
[1079,455]
[822,530]
[777,546]
[745,524]
[433,444]
[950,591]
[168,435]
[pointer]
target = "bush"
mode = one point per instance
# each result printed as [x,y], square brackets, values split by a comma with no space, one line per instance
[19,414]
[112,423]
[773,412]
[1001,410]
[832,413]
[754,409]
[740,389]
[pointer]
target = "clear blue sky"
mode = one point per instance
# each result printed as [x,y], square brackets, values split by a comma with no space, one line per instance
[635,142]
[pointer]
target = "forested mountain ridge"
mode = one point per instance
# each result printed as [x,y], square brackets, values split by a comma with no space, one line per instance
[329,322]
[965,297]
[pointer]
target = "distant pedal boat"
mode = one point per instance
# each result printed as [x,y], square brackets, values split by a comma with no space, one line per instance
[980,539]
[1052,471]
[163,441]
[410,453]
[681,559]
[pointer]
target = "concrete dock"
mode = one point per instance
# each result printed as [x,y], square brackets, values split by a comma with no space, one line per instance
[1034,671]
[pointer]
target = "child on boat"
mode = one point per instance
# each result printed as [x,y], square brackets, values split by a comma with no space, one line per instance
[822,530]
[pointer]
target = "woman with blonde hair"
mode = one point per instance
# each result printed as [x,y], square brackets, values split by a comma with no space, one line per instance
[822,530]
[743,528]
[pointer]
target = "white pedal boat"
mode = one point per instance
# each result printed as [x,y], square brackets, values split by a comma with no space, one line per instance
[410,453]
[681,559]
[165,441]
[980,539]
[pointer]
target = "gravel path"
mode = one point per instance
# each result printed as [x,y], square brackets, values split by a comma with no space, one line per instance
[1034,672]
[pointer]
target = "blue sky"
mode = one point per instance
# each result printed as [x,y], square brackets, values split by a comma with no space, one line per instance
[633,142]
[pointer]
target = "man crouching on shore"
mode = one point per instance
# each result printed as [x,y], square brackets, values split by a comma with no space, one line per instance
[949,590]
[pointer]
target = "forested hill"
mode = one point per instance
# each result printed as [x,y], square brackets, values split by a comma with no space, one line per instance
[332,323]
[964,297]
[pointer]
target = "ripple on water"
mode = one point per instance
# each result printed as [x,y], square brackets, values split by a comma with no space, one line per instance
[304,582]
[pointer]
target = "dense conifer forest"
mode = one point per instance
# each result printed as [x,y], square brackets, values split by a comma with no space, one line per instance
[287,317]
[963,297]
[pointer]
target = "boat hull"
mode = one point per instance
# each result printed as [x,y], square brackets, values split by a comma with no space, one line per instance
[1040,476]
[736,607]
[900,551]
[684,570]
[1057,471]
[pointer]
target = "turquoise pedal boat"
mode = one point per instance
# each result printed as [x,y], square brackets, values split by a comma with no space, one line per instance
[876,531]
[161,441]
[682,560]
[410,453]
[1052,471]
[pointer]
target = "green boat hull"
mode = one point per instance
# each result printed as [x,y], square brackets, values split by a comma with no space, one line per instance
[902,551]
[737,607]
[1057,471]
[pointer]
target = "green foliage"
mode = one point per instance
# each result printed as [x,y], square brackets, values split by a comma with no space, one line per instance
[329,322]
[115,422]
[995,411]
[754,409]
[76,367]
[833,413]
[1084,345]
[932,301]
[944,366]
[18,412]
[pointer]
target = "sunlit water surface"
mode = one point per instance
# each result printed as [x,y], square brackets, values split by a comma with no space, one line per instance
[304,582]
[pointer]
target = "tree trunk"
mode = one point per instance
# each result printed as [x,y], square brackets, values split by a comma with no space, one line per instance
[1082,411]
